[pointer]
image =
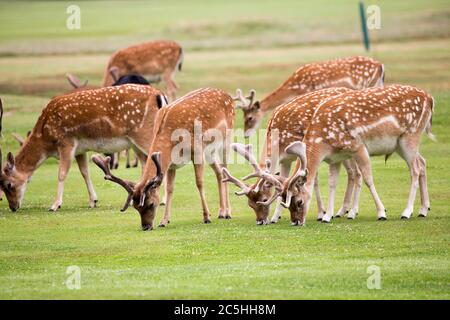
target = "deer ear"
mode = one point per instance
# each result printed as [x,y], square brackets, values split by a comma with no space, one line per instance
[10,162]
[161,101]
[114,72]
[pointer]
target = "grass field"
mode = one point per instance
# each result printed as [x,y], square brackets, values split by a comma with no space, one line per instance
[228,44]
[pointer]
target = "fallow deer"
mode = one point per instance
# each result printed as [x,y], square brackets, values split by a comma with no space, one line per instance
[354,73]
[375,121]
[202,120]
[151,59]
[103,120]
[288,124]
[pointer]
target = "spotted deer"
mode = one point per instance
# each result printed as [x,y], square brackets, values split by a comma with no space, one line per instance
[201,122]
[360,124]
[288,124]
[354,73]
[151,59]
[103,120]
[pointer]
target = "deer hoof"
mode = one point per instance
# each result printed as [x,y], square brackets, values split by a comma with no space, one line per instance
[161,225]
[207,221]
[382,219]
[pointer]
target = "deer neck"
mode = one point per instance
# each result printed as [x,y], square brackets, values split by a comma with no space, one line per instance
[314,156]
[30,156]
[276,98]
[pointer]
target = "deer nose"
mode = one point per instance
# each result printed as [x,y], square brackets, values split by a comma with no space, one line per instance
[147,227]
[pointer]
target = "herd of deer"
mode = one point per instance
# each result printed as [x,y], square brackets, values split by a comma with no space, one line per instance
[336,111]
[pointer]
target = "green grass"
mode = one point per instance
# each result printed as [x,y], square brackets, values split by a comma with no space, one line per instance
[226,259]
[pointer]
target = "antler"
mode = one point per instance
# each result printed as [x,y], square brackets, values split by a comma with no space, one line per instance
[246,152]
[229,178]
[19,138]
[275,195]
[75,81]
[104,164]
[156,180]
[242,99]
[298,149]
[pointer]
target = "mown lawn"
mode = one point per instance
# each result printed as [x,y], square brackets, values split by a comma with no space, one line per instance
[226,259]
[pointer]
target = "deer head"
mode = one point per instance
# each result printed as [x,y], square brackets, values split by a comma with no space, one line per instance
[252,111]
[144,196]
[12,182]
[260,194]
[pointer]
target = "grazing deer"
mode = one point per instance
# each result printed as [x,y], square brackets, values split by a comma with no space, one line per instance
[202,120]
[153,59]
[103,120]
[288,124]
[375,121]
[354,73]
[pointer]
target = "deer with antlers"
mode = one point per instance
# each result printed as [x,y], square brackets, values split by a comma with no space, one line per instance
[192,128]
[288,124]
[151,59]
[103,120]
[374,121]
[354,73]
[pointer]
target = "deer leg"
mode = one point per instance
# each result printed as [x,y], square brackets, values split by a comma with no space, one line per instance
[348,165]
[65,158]
[424,197]
[223,212]
[320,207]
[136,161]
[363,161]
[332,184]
[358,184]
[82,161]
[407,149]
[414,170]
[285,169]
[170,182]
[127,155]
[198,168]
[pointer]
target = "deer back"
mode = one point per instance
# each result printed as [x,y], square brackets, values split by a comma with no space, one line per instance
[345,121]
[148,58]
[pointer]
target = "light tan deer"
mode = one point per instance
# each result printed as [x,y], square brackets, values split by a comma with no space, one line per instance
[354,73]
[375,121]
[151,59]
[188,129]
[288,124]
[103,120]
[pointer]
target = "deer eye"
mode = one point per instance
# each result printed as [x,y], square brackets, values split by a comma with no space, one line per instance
[249,118]
[9,186]
[300,203]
